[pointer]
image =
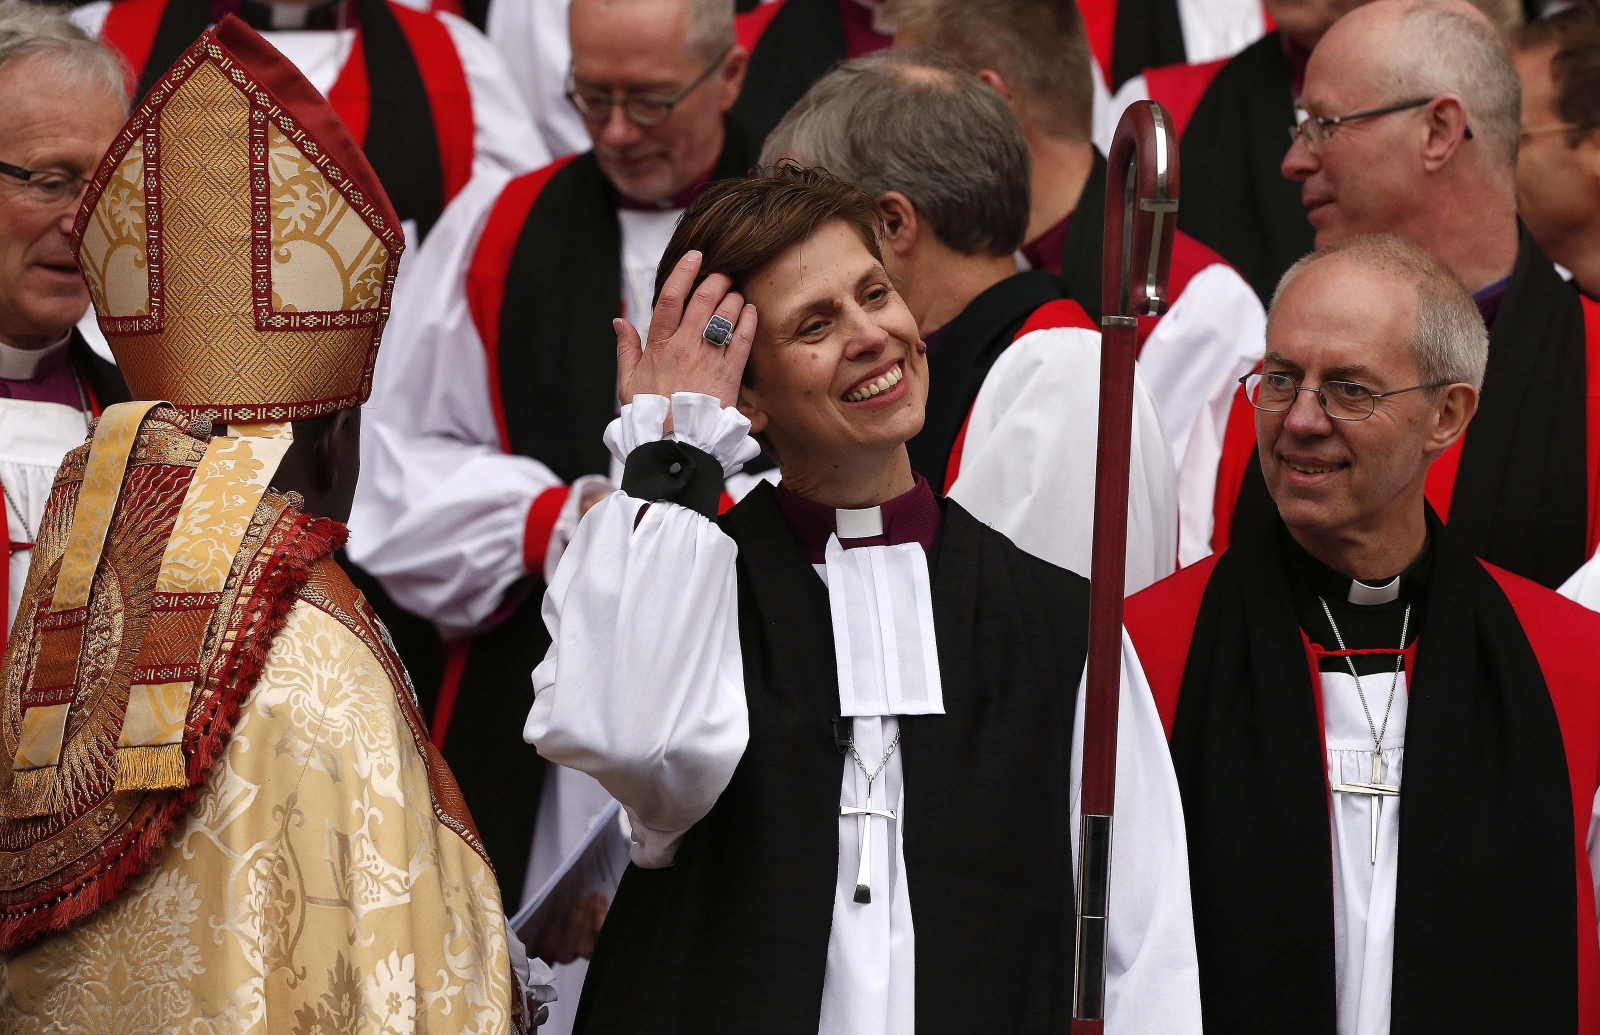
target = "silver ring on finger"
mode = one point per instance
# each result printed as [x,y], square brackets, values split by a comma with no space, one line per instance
[718,332]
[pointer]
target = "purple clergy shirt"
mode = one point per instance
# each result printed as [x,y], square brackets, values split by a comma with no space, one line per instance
[51,380]
[911,517]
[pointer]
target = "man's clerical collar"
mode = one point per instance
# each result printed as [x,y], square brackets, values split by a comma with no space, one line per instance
[1309,576]
[682,199]
[30,364]
[911,517]
[1488,299]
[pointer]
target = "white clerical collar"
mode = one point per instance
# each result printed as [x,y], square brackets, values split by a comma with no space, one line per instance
[859,524]
[23,364]
[1361,593]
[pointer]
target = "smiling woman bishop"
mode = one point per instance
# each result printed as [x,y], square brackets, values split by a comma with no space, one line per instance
[843,716]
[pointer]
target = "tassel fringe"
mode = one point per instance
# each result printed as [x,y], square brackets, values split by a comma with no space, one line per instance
[157,768]
[33,792]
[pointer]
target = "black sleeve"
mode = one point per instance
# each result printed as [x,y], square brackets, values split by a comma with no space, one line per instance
[675,472]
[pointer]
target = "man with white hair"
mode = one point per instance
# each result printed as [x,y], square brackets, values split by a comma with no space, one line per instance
[483,443]
[1412,121]
[1357,704]
[62,101]
[1014,363]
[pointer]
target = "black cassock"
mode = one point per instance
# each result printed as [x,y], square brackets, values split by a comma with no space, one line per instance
[733,936]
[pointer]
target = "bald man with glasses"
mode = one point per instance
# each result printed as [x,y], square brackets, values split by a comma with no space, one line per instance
[483,446]
[1409,125]
[61,103]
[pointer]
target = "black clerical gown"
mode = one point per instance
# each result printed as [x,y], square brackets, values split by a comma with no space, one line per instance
[544,316]
[403,93]
[962,352]
[792,44]
[1521,488]
[733,936]
[1494,919]
[1236,201]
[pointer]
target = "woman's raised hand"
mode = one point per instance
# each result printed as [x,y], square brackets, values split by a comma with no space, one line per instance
[677,358]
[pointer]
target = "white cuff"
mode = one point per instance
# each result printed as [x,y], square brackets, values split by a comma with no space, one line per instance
[567,521]
[697,419]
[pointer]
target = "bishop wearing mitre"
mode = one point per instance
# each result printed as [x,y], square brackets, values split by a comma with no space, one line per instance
[219,810]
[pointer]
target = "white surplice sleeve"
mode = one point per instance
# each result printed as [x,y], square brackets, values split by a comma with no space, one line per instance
[643,685]
[1584,585]
[1152,970]
[1215,330]
[1027,466]
[503,135]
[441,510]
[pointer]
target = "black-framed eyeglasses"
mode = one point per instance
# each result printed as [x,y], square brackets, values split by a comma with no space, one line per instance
[642,109]
[1341,400]
[44,187]
[1315,130]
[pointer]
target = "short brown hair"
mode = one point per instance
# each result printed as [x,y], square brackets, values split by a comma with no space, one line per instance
[1040,47]
[741,225]
[1574,32]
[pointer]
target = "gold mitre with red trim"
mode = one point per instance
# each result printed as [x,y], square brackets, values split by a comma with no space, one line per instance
[238,246]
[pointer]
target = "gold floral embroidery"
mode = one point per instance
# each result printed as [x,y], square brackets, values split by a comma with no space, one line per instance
[113,253]
[325,258]
[310,891]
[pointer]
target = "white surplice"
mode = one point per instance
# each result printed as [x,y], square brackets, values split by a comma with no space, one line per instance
[643,688]
[34,436]
[1363,891]
[1027,464]
[441,510]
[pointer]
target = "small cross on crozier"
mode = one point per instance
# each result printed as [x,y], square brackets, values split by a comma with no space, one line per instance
[1376,792]
[864,874]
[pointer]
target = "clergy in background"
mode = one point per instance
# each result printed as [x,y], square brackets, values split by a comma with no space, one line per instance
[218,803]
[1014,365]
[62,101]
[769,692]
[1356,703]
[1558,172]
[1035,54]
[425,95]
[500,377]
[1412,126]
[1231,118]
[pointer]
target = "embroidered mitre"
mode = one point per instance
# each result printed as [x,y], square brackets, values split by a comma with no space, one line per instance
[237,245]
[240,254]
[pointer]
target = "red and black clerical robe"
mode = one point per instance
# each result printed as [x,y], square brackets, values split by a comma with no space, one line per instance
[962,352]
[544,316]
[792,44]
[1233,119]
[1521,488]
[403,92]
[1494,916]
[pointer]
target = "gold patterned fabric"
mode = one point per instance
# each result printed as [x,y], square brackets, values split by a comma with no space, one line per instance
[236,243]
[313,888]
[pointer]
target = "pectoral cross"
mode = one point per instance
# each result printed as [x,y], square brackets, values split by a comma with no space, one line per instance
[864,874]
[1376,791]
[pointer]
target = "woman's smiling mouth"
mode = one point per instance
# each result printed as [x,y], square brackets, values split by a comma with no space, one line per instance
[877,385]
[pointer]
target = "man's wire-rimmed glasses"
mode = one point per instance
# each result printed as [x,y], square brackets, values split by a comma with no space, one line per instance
[45,188]
[642,109]
[1315,130]
[1341,400]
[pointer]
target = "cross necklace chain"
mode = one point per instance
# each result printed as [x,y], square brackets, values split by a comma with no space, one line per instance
[1375,791]
[864,872]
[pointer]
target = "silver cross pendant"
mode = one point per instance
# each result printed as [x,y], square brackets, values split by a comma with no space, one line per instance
[1375,792]
[864,874]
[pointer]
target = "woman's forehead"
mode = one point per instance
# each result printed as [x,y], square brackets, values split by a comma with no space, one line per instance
[827,265]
